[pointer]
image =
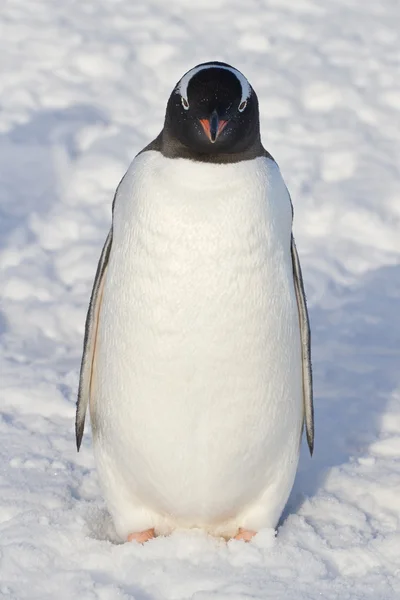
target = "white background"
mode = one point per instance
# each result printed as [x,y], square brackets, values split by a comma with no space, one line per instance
[84,88]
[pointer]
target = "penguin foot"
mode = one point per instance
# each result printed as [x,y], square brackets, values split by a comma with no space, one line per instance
[245,534]
[142,536]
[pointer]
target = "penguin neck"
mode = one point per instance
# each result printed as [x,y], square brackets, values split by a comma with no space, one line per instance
[171,147]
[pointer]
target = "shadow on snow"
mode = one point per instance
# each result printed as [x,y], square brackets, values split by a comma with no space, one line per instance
[31,156]
[356,361]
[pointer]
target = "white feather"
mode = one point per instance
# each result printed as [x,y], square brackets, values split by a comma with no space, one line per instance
[198,377]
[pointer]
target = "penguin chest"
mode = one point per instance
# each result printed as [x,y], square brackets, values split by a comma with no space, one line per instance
[198,361]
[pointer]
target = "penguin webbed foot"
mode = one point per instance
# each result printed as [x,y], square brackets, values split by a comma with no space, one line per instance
[142,536]
[246,535]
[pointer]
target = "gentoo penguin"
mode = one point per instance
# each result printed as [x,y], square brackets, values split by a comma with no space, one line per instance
[196,363]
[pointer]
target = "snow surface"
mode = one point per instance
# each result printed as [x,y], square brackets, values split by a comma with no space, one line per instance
[84,87]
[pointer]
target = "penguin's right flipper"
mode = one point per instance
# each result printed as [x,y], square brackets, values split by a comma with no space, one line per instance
[89,343]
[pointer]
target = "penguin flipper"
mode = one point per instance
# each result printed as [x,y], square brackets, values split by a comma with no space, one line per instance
[89,343]
[305,336]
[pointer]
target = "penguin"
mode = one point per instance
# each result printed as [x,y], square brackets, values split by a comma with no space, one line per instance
[196,362]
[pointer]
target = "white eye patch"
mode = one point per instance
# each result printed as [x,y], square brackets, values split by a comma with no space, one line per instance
[182,87]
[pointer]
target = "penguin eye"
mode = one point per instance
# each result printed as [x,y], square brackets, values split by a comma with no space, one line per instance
[242,106]
[185,103]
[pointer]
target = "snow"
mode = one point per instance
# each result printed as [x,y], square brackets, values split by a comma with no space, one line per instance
[84,88]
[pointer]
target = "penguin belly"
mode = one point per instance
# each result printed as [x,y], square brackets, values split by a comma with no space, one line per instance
[197,388]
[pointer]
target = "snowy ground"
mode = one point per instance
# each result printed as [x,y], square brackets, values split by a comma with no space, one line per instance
[84,87]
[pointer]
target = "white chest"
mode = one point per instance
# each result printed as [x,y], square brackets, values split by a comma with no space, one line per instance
[195,237]
[199,366]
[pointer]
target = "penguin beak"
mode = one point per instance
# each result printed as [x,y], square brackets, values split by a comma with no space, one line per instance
[213,126]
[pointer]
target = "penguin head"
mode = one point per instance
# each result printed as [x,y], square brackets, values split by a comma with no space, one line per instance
[212,111]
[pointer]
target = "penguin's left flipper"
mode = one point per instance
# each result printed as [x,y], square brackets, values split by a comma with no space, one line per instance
[305,337]
[89,343]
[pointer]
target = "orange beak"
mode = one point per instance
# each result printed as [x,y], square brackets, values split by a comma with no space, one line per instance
[213,126]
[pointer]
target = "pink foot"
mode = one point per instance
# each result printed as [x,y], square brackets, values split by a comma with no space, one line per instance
[142,536]
[245,534]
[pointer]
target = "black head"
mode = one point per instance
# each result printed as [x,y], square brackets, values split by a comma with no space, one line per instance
[212,115]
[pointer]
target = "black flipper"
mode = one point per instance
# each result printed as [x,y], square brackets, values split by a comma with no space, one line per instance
[89,343]
[305,337]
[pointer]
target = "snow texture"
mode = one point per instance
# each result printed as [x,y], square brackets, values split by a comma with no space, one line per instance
[84,87]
